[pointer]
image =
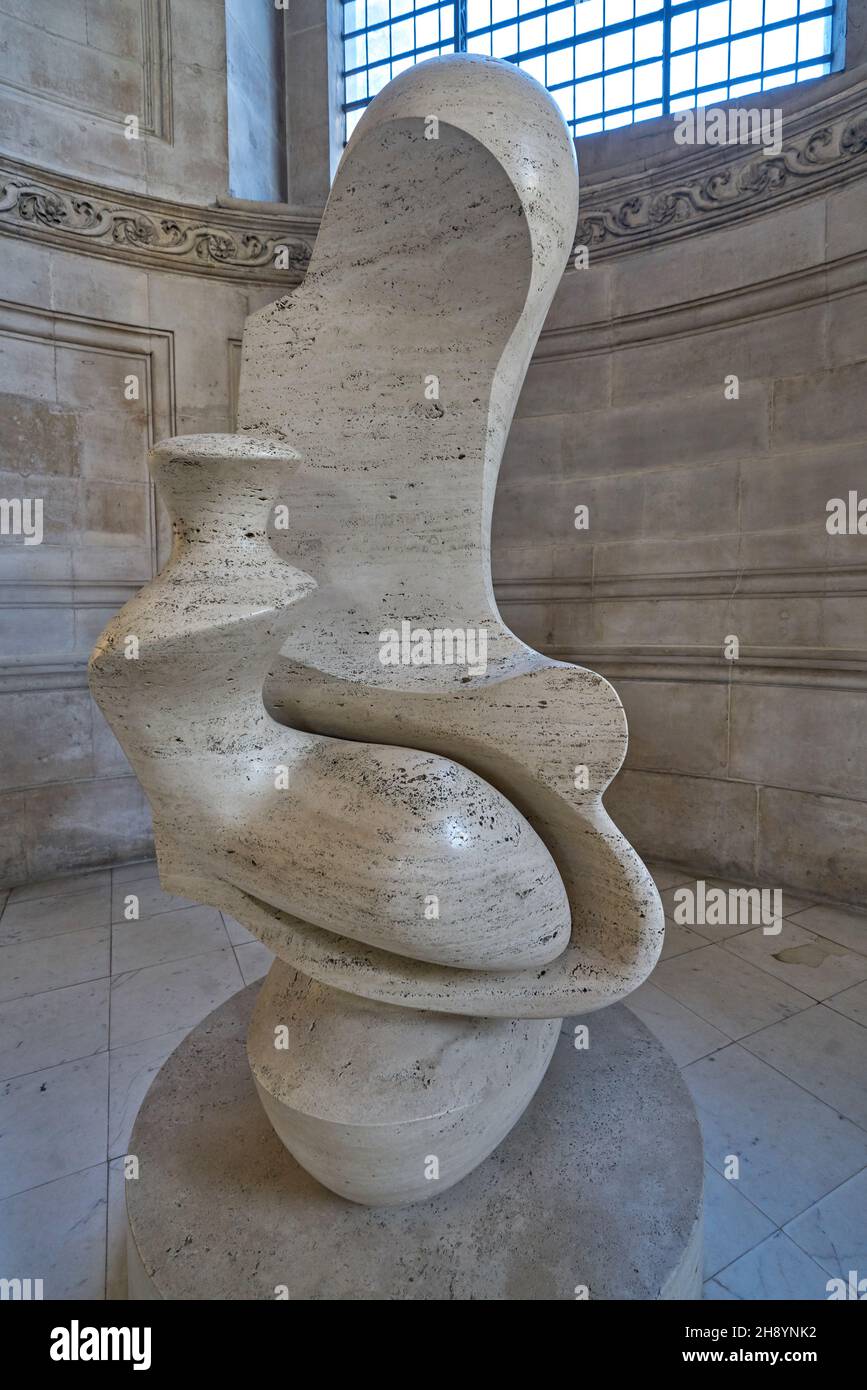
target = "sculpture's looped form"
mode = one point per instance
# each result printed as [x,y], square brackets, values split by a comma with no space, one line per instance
[412,831]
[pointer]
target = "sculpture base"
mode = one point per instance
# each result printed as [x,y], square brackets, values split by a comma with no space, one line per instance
[598,1186]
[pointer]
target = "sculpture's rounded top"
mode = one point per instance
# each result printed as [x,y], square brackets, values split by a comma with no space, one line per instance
[502,107]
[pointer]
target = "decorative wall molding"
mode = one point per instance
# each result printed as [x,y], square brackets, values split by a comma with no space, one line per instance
[817,668]
[795,581]
[792,289]
[140,230]
[703,187]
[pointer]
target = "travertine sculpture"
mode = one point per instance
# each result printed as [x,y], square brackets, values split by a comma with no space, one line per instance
[420,841]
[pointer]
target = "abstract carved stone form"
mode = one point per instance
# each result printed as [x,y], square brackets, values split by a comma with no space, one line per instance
[421,842]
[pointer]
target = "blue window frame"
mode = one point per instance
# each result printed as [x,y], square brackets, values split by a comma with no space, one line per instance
[607,63]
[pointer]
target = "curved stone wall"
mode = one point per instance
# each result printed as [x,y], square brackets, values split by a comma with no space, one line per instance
[707,514]
[115,265]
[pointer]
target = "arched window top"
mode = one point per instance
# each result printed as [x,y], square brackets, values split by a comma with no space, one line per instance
[607,63]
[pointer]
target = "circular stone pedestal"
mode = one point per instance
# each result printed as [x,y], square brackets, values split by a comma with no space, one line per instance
[598,1187]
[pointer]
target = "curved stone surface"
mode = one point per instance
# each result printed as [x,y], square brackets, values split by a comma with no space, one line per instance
[598,1185]
[368,1096]
[422,825]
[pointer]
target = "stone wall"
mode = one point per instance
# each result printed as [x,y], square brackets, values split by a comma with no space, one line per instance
[105,275]
[707,514]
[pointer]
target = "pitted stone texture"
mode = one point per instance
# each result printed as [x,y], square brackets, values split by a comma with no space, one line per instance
[427,836]
[599,1184]
[367,1096]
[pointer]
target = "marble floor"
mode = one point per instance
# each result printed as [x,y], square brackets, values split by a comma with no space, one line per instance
[770,1033]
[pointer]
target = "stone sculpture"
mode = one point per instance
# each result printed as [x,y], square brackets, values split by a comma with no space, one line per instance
[421,842]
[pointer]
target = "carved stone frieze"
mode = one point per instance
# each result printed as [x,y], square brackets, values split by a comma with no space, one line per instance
[131,227]
[828,145]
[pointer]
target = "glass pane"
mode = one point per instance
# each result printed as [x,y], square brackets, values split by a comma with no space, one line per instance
[403,36]
[746,55]
[776,10]
[618,90]
[778,79]
[617,11]
[648,82]
[561,24]
[560,66]
[588,127]
[814,38]
[532,33]
[618,50]
[377,45]
[682,72]
[588,58]
[780,47]
[713,22]
[588,16]
[683,30]
[505,41]
[478,14]
[426,29]
[746,14]
[353,16]
[603,59]
[565,99]
[713,64]
[355,52]
[648,41]
[588,97]
[535,67]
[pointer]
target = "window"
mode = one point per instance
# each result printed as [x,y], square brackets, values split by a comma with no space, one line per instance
[607,63]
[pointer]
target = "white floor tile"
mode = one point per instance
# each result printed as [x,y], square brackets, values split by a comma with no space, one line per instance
[852,1002]
[791,1148]
[159,998]
[839,924]
[190,931]
[254,960]
[57,1026]
[129,873]
[132,1068]
[679,940]
[53,1123]
[813,964]
[238,935]
[57,961]
[115,1264]
[145,897]
[37,918]
[732,1225]
[57,1233]
[666,877]
[833,1232]
[686,1036]
[825,1053]
[776,1269]
[64,887]
[728,993]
